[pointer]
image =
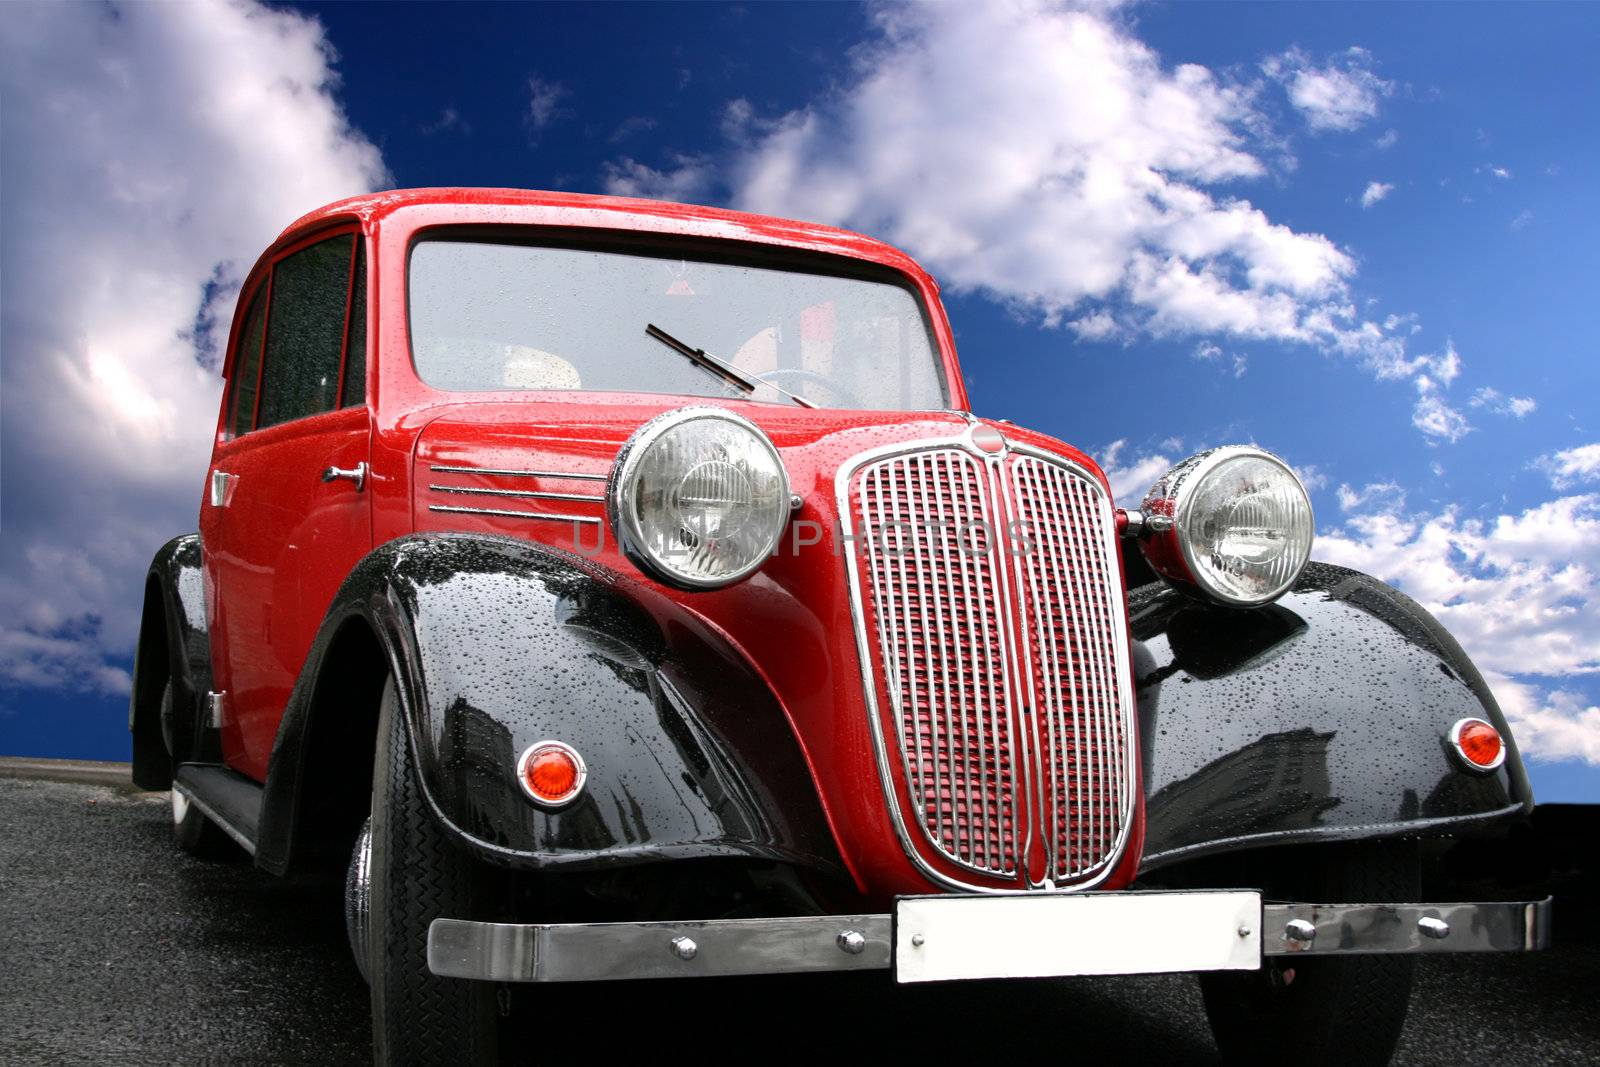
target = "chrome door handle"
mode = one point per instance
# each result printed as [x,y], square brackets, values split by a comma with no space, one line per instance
[222,486]
[357,474]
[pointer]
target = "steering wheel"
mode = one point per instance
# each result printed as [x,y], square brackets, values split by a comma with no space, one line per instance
[799,377]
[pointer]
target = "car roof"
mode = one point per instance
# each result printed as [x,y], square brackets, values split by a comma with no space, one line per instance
[611,212]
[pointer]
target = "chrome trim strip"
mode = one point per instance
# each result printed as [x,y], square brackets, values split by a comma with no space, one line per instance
[519,474]
[537,494]
[597,952]
[211,813]
[588,519]
[1013,638]
[1374,929]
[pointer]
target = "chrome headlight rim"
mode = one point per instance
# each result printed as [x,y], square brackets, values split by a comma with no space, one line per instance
[1179,487]
[624,517]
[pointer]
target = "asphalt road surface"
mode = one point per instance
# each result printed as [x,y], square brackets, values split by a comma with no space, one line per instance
[117,948]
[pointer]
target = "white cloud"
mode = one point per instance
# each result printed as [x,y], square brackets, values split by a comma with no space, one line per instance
[1342,94]
[1437,419]
[449,119]
[1432,414]
[689,179]
[1549,723]
[1389,139]
[1095,188]
[1374,496]
[1571,466]
[1098,325]
[1107,202]
[1447,366]
[198,131]
[544,101]
[1516,406]
[1521,592]
[1521,219]
[1374,192]
[1311,476]
[1130,480]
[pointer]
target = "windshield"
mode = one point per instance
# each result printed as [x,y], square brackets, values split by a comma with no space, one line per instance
[489,315]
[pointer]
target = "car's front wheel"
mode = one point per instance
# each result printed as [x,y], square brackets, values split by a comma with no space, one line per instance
[416,874]
[1321,1010]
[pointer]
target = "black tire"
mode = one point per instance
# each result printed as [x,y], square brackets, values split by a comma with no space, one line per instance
[191,829]
[418,874]
[1332,1010]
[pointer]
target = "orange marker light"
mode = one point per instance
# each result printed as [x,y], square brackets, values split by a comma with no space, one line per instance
[551,773]
[1478,744]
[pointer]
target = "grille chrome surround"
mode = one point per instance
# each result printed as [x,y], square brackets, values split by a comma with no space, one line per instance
[1006,692]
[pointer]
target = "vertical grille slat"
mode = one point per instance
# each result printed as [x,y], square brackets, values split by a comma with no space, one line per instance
[933,528]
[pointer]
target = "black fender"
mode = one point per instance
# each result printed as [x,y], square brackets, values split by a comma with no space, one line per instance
[496,644]
[1322,716]
[173,643]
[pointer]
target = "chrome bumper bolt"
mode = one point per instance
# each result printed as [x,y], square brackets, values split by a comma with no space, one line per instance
[1437,929]
[852,941]
[684,948]
[1300,930]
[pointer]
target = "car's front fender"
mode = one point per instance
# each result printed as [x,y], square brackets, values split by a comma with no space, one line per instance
[1325,715]
[496,644]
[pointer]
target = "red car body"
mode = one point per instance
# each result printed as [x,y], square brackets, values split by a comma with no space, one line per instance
[886,743]
[278,554]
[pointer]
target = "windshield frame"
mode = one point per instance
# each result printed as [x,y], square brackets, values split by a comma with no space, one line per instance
[667,246]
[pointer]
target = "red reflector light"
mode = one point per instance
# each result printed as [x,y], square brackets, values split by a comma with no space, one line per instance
[551,773]
[1479,744]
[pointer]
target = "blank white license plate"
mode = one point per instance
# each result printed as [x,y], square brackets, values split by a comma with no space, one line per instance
[939,939]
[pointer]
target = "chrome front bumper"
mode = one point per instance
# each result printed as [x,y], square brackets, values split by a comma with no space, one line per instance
[953,937]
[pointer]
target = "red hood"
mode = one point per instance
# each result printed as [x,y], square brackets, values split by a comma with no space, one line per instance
[792,619]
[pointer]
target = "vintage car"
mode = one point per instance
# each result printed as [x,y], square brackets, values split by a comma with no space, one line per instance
[614,589]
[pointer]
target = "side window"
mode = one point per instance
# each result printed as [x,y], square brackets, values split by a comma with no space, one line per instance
[355,360]
[305,332]
[247,366]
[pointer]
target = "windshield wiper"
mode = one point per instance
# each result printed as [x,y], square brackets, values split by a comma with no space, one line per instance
[701,358]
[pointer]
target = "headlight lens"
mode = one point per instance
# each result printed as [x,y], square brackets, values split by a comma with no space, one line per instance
[698,498]
[1241,525]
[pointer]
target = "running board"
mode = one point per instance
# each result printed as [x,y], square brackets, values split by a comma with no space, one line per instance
[227,798]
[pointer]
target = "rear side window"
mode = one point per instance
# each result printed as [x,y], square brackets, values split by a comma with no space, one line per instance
[355,360]
[247,366]
[305,332]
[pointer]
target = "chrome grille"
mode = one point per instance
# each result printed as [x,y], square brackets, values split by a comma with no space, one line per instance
[944,656]
[1003,670]
[1075,671]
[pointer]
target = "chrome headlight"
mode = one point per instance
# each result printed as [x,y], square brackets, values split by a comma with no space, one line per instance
[1233,523]
[698,498]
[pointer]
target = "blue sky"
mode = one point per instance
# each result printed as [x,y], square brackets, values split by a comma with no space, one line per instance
[1361,235]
